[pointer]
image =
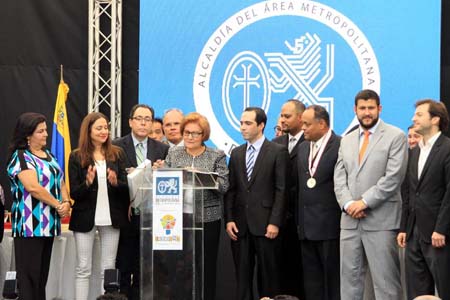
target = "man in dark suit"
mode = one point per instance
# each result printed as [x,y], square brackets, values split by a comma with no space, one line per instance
[291,124]
[137,146]
[425,223]
[2,212]
[319,214]
[255,206]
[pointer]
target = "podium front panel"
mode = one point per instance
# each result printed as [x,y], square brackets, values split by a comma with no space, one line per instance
[173,274]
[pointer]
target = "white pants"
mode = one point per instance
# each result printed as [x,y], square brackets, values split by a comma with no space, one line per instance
[84,242]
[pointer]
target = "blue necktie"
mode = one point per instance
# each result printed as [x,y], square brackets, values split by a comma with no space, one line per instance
[250,161]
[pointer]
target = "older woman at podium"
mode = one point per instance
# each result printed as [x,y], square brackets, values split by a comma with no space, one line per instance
[196,155]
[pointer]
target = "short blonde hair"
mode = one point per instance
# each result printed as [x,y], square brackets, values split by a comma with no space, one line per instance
[198,119]
[427,297]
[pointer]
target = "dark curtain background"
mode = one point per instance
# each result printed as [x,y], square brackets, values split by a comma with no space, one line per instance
[37,36]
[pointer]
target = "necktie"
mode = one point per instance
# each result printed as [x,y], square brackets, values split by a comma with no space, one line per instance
[139,153]
[291,144]
[250,161]
[314,149]
[364,145]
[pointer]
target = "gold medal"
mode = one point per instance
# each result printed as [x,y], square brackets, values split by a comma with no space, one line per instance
[311,183]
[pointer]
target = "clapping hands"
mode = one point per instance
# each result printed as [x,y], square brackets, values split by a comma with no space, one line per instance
[90,175]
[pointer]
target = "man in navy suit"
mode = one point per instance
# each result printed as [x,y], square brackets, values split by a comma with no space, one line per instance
[425,223]
[137,146]
[291,124]
[319,214]
[255,206]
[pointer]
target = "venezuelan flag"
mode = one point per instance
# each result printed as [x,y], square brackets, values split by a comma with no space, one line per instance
[60,134]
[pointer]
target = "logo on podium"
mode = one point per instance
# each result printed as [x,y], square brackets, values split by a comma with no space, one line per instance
[168,223]
[167,186]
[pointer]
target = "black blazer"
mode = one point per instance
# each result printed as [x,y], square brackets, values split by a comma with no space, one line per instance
[292,179]
[2,224]
[262,201]
[155,150]
[83,210]
[319,212]
[426,201]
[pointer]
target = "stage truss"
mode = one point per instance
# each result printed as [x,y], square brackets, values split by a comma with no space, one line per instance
[105,61]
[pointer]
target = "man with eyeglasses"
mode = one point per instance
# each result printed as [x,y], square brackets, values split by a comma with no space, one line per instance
[278,130]
[171,125]
[137,147]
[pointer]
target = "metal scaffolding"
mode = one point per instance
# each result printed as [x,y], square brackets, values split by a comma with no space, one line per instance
[105,60]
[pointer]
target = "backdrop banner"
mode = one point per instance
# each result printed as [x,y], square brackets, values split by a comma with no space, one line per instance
[218,57]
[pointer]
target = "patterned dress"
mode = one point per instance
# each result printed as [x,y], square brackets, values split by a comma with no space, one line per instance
[29,216]
[211,160]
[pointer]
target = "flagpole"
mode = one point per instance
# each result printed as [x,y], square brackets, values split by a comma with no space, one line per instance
[61,72]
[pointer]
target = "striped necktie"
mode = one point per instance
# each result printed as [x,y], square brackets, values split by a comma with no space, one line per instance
[250,161]
[139,153]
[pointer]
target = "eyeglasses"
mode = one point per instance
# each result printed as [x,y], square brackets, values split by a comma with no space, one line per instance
[277,128]
[193,134]
[141,118]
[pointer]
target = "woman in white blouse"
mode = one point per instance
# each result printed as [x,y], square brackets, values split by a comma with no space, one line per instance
[100,193]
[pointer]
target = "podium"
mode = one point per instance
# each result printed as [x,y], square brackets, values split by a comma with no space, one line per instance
[171,233]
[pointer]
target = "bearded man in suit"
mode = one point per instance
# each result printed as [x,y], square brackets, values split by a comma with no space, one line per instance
[291,124]
[370,169]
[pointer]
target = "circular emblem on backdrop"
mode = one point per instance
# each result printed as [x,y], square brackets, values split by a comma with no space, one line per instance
[272,51]
[247,61]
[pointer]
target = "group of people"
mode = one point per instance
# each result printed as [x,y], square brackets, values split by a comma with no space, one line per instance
[310,209]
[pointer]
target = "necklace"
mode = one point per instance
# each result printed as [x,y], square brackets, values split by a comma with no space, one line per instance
[196,153]
[39,152]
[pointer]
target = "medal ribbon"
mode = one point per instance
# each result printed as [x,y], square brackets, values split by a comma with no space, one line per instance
[313,162]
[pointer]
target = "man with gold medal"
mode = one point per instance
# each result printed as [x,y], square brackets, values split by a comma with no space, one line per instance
[318,210]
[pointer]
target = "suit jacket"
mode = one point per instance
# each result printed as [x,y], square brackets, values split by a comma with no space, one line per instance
[254,204]
[155,150]
[292,179]
[426,201]
[85,197]
[2,224]
[319,212]
[377,179]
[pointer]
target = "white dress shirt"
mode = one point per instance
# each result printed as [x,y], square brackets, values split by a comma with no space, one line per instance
[425,150]
[257,145]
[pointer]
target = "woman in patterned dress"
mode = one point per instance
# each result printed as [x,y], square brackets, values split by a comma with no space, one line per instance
[39,199]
